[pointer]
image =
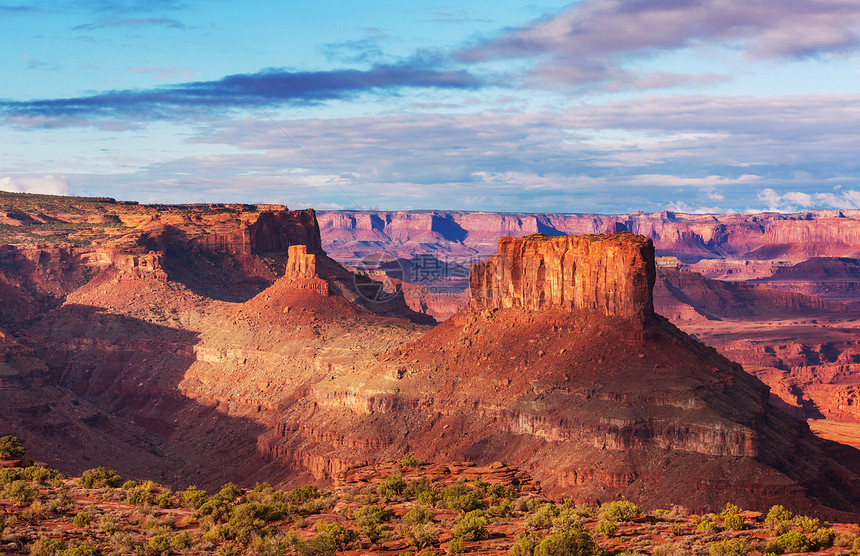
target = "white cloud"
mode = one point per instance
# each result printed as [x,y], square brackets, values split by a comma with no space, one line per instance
[796,200]
[46,184]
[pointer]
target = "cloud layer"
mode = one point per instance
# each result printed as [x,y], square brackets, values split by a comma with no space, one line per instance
[267,88]
[593,40]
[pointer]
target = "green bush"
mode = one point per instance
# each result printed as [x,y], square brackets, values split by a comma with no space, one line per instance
[193,498]
[542,517]
[46,546]
[707,527]
[823,537]
[461,497]
[566,520]
[806,524]
[456,546]
[409,460]
[417,516]
[165,499]
[471,527]
[622,510]
[100,477]
[81,550]
[391,486]
[11,448]
[524,544]
[778,520]
[502,509]
[342,537]
[730,509]
[370,522]
[730,547]
[42,475]
[606,527]
[82,520]
[19,491]
[321,545]
[793,541]
[734,522]
[569,543]
[421,535]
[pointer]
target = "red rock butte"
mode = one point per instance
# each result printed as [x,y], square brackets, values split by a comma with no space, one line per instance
[611,274]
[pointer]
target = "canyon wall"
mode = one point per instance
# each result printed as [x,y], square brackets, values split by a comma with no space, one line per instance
[349,235]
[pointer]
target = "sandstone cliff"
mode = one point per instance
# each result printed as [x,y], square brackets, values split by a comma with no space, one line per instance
[613,275]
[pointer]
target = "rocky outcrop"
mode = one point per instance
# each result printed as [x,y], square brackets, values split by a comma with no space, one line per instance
[612,274]
[302,271]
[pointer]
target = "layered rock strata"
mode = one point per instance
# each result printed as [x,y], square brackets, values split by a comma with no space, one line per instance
[612,274]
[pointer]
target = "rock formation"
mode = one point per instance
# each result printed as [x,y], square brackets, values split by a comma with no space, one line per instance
[613,275]
[231,369]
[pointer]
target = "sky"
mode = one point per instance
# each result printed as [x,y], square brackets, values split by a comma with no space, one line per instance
[596,106]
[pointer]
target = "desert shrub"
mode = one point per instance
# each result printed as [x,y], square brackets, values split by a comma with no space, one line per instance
[83,520]
[303,494]
[529,504]
[621,510]
[502,509]
[524,544]
[606,527]
[471,527]
[730,509]
[130,484]
[218,509]
[46,546]
[730,547]
[391,486]
[370,522]
[321,545]
[566,520]
[11,447]
[415,488]
[19,491]
[100,477]
[418,515]
[778,520]
[542,517]
[80,550]
[193,498]
[793,541]
[409,460]
[164,499]
[141,494]
[158,545]
[36,512]
[806,524]
[42,475]
[569,543]
[343,538]
[229,492]
[823,537]
[456,546]
[707,527]
[734,522]
[461,497]
[421,535]
[61,503]
[673,549]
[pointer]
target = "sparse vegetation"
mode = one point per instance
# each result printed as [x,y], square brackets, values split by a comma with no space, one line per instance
[11,448]
[305,521]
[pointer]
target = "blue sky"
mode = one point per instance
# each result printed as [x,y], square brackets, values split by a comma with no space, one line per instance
[604,106]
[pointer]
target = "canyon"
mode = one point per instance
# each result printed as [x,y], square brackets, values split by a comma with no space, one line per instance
[207,343]
[779,293]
